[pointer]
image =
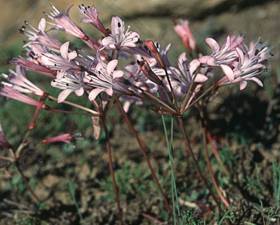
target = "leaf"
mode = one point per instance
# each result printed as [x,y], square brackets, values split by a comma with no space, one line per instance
[96,126]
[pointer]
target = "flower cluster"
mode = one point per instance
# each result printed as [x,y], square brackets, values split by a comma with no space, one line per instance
[145,77]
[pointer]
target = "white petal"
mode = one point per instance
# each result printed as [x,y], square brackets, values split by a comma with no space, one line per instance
[209,60]
[126,106]
[194,64]
[42,25]
[256,80]
[79,92]
[118,74]
[243,85]
[94,93]
[212,44]
[63,95]
[228,72]
[241,55]
[200,78]
[64,50]
[59,75]
[72,55]
[109,91]
[112,66]
[117,25]
[108,41]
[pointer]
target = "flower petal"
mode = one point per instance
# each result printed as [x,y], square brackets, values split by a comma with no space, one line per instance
[42,25]
[94,93]
[240,55]
[200,78]
[112,66]
[79,92]
[243,85]
[258,81]
[117,25]
[194,64]
[228,72]
[63,95]
[108,42]
[109,91]
[64,50]
[209,60]
[72,55]
[118,74]
[212,44]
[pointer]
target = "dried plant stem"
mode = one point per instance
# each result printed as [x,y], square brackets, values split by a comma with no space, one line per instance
[111,168]
[144,150]
[190,152]
[211,172]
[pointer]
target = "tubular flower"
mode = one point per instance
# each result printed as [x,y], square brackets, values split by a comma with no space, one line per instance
[62,21]
[184,32]
[65,138]
[9,92]
[33,66]
[90,15]
[39,36]
[119,37]
[18,81]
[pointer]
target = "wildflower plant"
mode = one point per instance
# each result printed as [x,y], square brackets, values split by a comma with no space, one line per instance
[145,78]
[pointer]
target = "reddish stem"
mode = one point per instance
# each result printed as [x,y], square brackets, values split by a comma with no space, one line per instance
[215,152]
[112,172]
[210,170]
[189,151]
[144,150]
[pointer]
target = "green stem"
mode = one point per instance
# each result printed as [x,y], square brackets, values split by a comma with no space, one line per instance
[169,142]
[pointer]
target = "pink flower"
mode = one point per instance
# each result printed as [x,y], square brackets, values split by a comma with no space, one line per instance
[184,32]
[223,55]
[119,37]
[18,81]
[186,73]
[63,62]
[62,21]
[30,65]
[251,64]
[105,79]
[65,138]
[68,82]
[90,15]
[39,36]
[9,92]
